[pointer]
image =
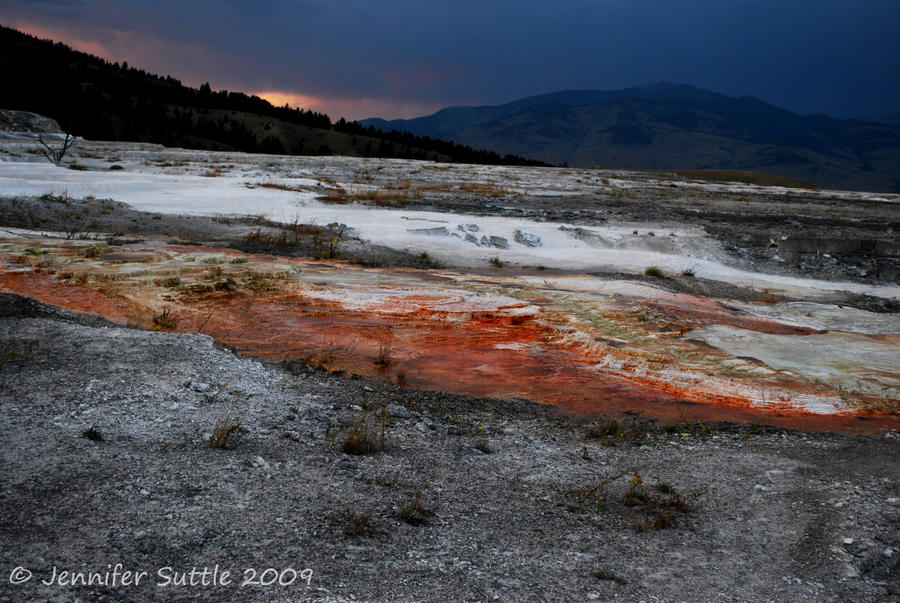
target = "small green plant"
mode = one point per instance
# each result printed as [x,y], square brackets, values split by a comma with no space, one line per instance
[688,273]
[332,431]
[654,272]
[496,262]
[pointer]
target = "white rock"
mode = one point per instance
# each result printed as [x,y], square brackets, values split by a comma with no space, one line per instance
[261,462]
[396,410]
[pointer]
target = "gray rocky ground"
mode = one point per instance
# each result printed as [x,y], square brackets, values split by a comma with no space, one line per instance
[503,487]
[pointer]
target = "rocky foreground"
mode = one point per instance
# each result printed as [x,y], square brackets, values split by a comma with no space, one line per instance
[358,489]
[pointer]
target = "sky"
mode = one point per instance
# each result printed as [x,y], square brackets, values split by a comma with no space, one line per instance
[406,58]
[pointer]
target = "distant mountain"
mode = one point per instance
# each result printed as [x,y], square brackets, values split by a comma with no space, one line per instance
[667,126]
[96,99]
[893,119]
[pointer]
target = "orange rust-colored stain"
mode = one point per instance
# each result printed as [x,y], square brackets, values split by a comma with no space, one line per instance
[70,297]
[481,353]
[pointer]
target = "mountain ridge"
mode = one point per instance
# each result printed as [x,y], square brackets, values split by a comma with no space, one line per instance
[674,126]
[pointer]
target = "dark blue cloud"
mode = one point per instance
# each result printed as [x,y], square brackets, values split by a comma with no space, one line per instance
[840,57]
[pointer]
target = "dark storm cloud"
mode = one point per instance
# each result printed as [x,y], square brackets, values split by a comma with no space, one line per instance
[840,57]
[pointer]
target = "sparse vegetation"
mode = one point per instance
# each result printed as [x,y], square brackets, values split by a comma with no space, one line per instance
[227,430]
[610,428]
[385,345]
[592,497]
[657,507]
[412,511]
[328,240]
[359,524]
[165,320]
[427,261]
[660,506]
[655,272]
[381,198]
[95,251]
[486,189]
[613,432]
[56,154]
[71,223]
[366,433]
[483,446]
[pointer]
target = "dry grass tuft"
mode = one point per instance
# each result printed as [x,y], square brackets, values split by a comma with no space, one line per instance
[165,320]
[227,430]
[367,432]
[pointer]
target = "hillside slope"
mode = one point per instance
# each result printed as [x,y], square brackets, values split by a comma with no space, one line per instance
[668,126]
[95,99]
